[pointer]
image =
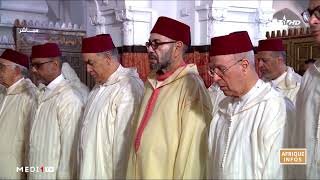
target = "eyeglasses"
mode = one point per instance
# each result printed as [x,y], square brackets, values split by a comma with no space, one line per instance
[37,65]
[221,71]
[155,44]
[309,12]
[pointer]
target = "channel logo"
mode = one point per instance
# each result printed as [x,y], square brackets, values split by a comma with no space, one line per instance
[36,169]
[293,156]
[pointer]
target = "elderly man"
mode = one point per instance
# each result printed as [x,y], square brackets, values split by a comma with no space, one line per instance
[308,102]
[248,130]
[171,131]
[272,64]
[53,136]
[16,106]
[106,126]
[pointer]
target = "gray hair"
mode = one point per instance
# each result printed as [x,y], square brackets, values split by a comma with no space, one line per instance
[184,50]
[114,54]
[23,71]
[249,55]
[281,54]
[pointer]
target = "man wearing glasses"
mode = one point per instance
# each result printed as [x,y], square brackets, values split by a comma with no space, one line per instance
[16,105]
[53,134]
[170,140]
[272,64]
[248,129]
[308,102]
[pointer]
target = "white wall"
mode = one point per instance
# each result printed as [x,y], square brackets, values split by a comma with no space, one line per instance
[166,8]
[297,6]
[186,13]
[17,9]
[74,10]
[138,17]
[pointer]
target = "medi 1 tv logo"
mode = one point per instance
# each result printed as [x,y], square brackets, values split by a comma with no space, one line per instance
[36,169]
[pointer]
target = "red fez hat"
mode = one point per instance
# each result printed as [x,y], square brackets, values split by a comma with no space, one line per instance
[97,44]
[172,29]
[47,50]
[270,45]
[16,57]
[236,42]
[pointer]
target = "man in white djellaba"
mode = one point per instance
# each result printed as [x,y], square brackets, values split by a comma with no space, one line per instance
[272,64]
[106,127]
[54,128]
[249,127]
[17,101]
[307,131]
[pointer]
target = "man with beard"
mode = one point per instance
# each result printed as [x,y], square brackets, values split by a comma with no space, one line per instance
[53,134]
[272,64]
[16,105]
[249,127]
[170,140]
[107,121]
[308,104]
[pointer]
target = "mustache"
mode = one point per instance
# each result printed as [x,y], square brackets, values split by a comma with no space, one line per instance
[155,67]
[152,56]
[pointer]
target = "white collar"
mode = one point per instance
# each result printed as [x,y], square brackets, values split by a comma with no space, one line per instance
[14,85]
[114,75]
[280,78]
[252,91]
[53,84]
[238,103]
